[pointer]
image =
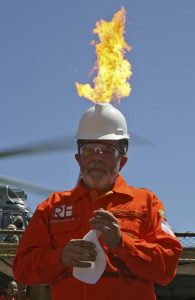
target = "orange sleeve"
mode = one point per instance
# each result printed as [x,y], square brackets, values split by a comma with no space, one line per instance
[155,256]
[36,260]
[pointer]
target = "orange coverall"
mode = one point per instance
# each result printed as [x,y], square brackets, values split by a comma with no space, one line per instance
[149,251]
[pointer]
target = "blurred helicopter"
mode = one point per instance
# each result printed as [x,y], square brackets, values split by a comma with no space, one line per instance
[62,144]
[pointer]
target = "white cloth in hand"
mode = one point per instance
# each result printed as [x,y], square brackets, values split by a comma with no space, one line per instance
[93,273]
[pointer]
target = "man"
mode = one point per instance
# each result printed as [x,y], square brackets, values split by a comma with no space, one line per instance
[139,245]
[18,222]
[10,291]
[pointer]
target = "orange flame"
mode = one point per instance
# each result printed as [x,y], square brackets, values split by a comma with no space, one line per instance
[113,70]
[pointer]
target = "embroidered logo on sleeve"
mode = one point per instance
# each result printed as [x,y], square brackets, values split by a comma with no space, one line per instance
[166,227]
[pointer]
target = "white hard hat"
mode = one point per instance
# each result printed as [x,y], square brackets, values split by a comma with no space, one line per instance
[11,227]
[102,122]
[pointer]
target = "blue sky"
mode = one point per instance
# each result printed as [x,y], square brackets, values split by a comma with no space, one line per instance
[45,48]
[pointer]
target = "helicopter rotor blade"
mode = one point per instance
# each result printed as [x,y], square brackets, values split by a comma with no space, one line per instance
[26,185]
[63,144]
[138,140]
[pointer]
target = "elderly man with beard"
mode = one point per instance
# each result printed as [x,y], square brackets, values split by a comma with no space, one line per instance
[138,243]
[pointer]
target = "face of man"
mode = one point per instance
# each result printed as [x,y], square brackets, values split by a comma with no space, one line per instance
[12,288]
[100,163]
[19,222]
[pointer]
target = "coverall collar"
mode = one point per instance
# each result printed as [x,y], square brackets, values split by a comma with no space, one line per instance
[120,187]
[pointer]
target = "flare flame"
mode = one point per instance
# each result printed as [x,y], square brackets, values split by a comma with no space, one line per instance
[113,71]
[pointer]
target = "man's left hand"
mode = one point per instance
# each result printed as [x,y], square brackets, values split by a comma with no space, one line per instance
[105,222]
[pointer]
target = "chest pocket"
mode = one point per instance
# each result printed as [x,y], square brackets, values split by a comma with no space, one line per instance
[133,223]
[61,233]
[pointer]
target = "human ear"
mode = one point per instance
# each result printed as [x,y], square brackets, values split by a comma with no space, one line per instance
[123,161]
[78,158]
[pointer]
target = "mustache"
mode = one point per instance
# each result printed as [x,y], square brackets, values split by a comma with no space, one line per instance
[97,165]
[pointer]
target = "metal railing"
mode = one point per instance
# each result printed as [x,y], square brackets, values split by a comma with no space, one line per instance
[187,240]
[8,249]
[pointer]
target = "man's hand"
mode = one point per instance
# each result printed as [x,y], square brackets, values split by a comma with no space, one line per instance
[105,222]
[78,253]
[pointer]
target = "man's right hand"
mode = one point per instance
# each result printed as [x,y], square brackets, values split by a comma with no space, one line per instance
[78,253]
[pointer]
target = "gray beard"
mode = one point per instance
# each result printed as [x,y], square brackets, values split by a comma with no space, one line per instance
[102,180]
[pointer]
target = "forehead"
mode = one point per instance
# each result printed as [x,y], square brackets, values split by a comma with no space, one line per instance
[18,218]
[12,284]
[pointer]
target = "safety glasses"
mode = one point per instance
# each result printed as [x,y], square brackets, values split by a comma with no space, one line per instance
[107,150]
